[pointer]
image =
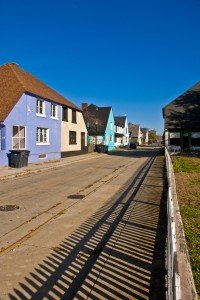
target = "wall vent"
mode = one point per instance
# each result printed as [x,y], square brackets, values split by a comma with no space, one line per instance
[42,155]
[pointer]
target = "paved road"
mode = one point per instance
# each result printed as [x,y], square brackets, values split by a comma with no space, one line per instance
[77,228]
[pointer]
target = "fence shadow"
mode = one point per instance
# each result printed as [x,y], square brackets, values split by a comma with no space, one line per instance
[130,265]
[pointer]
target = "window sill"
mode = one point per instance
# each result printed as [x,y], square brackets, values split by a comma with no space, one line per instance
[42,144]
[54,118]
[72,143]
[74,122]
[39,115]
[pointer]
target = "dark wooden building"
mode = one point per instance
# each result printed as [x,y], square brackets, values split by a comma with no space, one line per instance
[182,121]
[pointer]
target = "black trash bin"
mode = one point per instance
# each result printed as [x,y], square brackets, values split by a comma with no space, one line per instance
[101,148]
[19,158]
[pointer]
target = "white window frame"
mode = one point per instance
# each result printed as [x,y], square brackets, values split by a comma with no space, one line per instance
[38,108]
[19,137]
[38,142]
[56,111]
[111,138]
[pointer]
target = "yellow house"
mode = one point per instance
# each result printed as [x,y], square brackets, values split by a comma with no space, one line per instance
[73,132]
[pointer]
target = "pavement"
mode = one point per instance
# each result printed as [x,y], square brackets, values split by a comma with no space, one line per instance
[8,172]
[108,245]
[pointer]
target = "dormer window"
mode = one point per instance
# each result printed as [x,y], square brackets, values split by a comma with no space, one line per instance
[40,108]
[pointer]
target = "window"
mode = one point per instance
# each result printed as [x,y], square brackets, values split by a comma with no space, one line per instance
[42,135]
[174,135]
[174,139]
[73,116]
[195,139]
[40,109]
[72,137]
[54,111]
[64,113]
[18,137]
[111,138]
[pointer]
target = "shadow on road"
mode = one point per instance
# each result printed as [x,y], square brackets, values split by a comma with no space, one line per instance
[141,152]
[130,265]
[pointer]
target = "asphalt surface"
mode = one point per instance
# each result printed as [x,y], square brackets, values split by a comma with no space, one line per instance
[79,230]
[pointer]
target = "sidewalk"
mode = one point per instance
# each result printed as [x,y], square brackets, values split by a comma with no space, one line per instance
[8,172]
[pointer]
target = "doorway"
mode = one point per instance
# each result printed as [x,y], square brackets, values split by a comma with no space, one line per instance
[82,140]
[185,141]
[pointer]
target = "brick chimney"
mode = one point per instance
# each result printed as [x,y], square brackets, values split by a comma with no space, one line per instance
[84,105]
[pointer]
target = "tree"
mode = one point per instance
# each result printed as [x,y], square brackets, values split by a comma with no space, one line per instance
[152,137]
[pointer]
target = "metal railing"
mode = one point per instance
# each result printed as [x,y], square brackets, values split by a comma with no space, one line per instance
[173,277]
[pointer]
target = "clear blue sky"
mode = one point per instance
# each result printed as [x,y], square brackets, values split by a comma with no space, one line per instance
[133,55]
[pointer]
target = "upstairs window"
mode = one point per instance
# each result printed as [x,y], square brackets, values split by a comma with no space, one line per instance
[54,111]
[73,116]
[18,137]
[64,113]
[72,137]
[42,135]
[40,109]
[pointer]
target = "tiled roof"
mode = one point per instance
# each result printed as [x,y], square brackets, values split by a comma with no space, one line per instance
[133,129]
[184,111]
[120,121]
[96,119]
[14,82]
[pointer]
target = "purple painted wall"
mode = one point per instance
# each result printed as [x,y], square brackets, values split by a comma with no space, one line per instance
[24,114]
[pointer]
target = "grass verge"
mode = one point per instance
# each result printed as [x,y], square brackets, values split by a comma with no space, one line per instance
[187,176]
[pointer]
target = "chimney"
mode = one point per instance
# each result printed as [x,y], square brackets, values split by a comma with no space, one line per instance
[84,105]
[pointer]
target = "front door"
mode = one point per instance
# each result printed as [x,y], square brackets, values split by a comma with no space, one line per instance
[185,141]
[82,140]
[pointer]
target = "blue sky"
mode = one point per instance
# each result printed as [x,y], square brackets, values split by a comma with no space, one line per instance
[135,56]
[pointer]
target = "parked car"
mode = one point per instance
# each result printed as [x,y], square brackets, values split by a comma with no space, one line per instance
[133,145]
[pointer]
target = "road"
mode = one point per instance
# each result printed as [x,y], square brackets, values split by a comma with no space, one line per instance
[89,230]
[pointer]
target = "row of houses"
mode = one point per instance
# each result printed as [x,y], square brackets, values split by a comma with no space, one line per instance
[35,117]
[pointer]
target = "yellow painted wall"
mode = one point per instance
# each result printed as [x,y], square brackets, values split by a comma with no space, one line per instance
[69,126]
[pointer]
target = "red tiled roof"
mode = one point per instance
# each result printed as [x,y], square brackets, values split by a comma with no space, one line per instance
[14,82]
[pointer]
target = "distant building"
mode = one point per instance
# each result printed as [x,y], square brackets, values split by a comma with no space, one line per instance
[145,135]
[121,131]
[100,125]
[182,121]
[135,133]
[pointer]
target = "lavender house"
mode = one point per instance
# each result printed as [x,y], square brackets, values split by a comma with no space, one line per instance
[30,115]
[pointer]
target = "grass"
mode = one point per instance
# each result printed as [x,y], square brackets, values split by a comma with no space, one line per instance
[186,164]
[187,171]
[190,216]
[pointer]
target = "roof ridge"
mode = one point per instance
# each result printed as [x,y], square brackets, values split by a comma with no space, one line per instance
[12,66]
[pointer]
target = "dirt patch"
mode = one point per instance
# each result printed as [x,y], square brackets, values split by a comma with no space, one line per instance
[188,188]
